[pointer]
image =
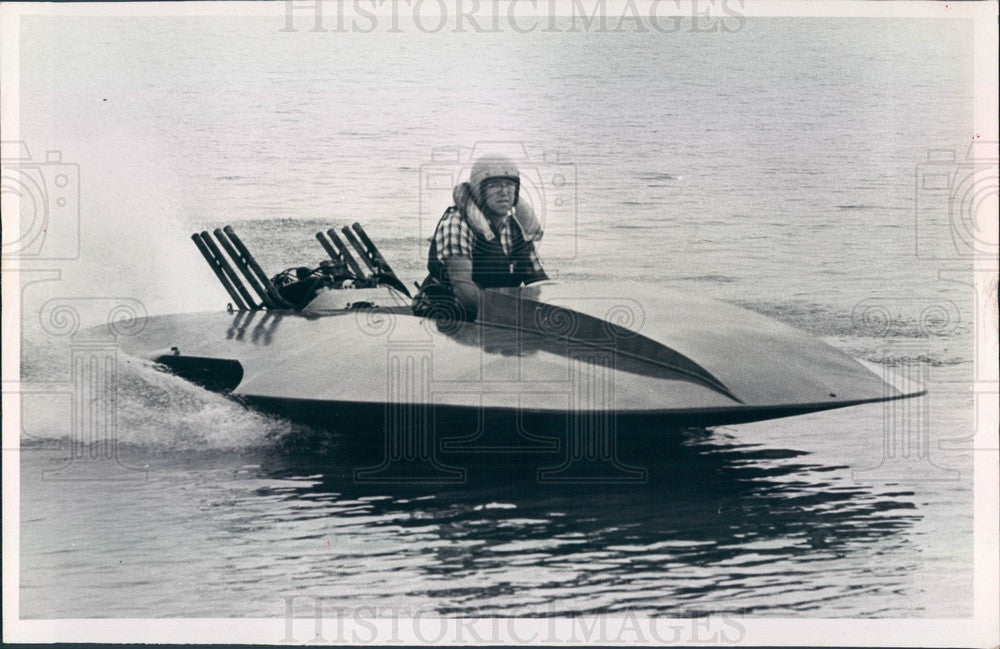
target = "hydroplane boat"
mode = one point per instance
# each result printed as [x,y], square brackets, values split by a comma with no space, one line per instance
[339,347]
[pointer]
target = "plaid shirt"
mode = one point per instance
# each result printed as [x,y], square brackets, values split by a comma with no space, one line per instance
[454,238]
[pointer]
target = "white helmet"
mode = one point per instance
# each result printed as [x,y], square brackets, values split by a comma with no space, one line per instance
[489,167]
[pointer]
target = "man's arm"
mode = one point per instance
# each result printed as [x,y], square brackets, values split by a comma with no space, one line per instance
[467,293]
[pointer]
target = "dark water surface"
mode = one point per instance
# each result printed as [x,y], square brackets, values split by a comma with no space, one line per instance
[717,526]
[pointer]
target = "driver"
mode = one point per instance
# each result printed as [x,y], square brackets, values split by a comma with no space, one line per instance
[485,240]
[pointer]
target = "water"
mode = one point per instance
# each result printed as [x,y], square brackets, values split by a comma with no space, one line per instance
[772,167]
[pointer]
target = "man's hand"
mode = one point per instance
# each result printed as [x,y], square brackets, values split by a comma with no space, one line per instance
[467,293]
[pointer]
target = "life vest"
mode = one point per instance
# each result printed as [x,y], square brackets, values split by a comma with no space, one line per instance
[492,267]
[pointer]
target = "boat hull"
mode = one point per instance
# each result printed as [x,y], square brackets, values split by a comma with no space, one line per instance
[557,357]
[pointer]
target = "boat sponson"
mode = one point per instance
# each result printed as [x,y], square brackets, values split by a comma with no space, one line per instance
[759,360]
